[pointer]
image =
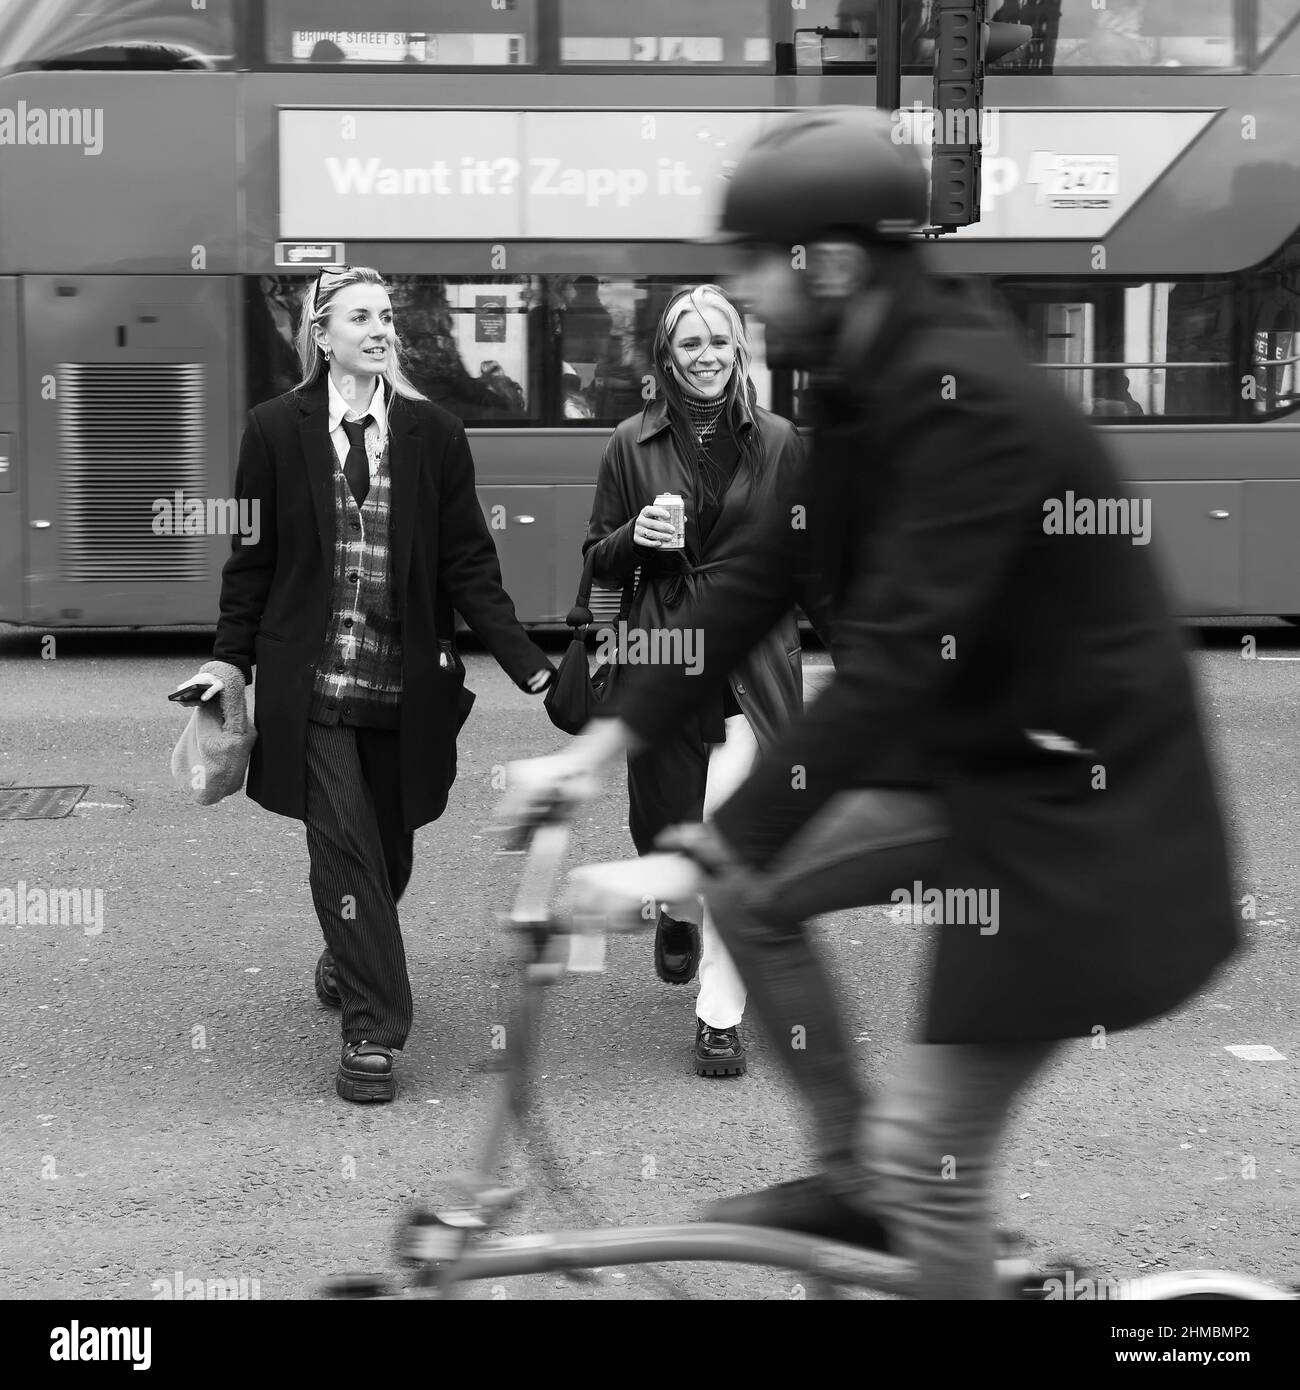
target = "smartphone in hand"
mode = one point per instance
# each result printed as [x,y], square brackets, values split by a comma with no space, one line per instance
[190,694]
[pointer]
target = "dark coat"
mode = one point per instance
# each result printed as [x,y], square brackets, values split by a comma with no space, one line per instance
[959,625]
[276,596]
[641,461]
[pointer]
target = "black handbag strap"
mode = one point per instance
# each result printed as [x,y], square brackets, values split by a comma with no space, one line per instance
[580,613]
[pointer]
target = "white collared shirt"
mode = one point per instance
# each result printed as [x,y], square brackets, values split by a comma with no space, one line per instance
[376,426]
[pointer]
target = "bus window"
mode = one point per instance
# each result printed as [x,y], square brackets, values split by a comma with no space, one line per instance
[1123,34]
[1156,349]
[833,35]
[456,33]
[153,35]
[1146,351]
[605,331]
[467,343]
[1272,300]
[1274,18]
[682,32]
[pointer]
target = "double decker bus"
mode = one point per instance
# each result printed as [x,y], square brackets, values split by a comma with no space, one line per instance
[530,175]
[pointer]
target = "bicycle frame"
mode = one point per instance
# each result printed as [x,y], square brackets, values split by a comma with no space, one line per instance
[455,1247]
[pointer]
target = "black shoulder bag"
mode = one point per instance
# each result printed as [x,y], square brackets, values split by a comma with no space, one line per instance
[576,691]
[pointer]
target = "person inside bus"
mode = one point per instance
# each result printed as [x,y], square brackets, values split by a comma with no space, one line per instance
[1112,394]
[576,405]
[1118,37]
[916,26]
[702,436]
[371,534]
[505,388]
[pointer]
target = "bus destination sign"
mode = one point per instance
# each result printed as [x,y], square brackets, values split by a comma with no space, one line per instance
[296,253]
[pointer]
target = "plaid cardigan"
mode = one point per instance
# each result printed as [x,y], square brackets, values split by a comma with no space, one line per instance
[358,678]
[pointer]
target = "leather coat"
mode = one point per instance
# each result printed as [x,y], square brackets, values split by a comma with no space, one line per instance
[641,461]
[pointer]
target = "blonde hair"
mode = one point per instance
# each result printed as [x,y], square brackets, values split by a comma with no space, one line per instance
[739,395]
[316,304]
[698,298]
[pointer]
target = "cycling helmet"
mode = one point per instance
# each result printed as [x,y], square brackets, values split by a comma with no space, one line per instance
[832,168]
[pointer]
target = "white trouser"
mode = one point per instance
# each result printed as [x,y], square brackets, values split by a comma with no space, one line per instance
[721,1001]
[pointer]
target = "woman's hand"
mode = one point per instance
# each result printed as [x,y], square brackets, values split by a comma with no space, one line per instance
[538,681]
[653,527]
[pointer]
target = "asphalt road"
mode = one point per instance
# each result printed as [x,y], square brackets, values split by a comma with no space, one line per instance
[169,1103]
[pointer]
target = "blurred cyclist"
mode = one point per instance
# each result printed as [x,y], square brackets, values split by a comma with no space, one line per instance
[1010,748]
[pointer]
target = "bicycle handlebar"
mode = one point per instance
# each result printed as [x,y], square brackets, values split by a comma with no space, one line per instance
[555,809]
[542,836]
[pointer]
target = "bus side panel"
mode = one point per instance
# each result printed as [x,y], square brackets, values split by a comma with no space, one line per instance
[12,539]
[145,178]
[536,489]
[128,448]
[1272,529]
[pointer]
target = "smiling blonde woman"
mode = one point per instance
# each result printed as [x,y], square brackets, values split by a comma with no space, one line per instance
[703,438]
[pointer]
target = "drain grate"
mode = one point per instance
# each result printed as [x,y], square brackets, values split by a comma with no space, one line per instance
[38,803]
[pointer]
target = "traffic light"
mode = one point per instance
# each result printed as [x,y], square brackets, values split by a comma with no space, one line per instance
[965,42]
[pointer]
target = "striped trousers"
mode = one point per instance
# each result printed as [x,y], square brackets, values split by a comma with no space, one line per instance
[360,865]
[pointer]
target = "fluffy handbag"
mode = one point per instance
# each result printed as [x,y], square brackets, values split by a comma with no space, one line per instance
[576,691]
[210,759]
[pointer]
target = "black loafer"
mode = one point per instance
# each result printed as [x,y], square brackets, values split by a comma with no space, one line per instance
[808,1205]
[718,1051]
[327,989]
[677,950]
[366,1072]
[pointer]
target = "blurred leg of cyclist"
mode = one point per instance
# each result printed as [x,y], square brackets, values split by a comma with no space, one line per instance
[861,847]
[929,1148]
[919,1159]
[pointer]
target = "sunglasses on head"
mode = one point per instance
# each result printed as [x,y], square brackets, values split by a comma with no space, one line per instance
[333,270]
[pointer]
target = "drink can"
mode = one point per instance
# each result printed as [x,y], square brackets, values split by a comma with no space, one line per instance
[672,503]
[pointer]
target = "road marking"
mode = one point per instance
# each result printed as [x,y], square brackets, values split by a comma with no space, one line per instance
[1255,1052]
[105,805]
[1277,658]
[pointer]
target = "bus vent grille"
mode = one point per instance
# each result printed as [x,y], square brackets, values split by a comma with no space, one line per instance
[606,604]
[130,434]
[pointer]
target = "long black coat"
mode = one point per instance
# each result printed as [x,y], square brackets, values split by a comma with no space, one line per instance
[642,460]
[276,596]
[960,625]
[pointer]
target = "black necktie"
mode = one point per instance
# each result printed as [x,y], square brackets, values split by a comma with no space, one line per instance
[356,467]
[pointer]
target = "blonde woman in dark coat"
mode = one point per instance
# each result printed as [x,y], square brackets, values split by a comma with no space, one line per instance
[703,438]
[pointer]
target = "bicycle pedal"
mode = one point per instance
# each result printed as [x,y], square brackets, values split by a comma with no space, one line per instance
[356,1286]
[426,1237]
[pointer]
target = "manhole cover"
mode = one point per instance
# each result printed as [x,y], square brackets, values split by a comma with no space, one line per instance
[38,803]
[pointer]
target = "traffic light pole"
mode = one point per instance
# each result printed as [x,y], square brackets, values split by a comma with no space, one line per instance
[889,55]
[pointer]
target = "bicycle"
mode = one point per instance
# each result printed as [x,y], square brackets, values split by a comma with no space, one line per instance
[455,1246]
